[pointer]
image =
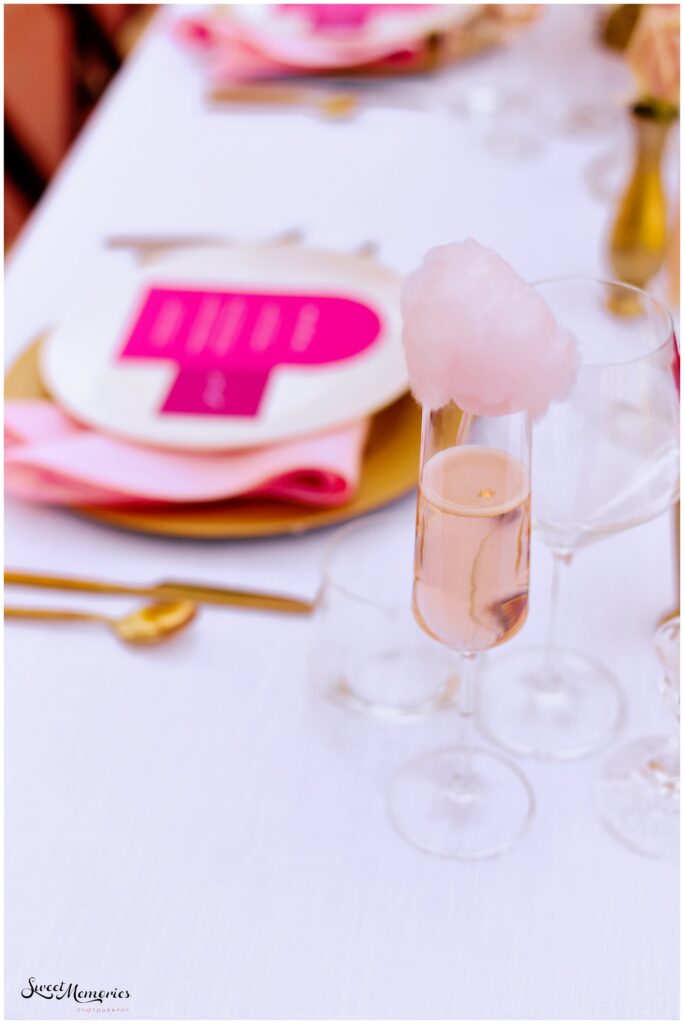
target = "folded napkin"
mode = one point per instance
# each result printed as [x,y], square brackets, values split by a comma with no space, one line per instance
[50,458]
[237,52]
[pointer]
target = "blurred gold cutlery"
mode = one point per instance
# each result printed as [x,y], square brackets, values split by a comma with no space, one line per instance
[330,104]
[148,625]
[170,590]
[152,243]
[145,242]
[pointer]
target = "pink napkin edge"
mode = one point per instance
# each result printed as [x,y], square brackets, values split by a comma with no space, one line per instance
[323,469]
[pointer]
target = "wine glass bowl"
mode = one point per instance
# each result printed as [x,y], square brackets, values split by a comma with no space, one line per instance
[606,459]
[391,671]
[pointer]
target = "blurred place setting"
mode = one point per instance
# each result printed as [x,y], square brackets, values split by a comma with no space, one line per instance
[342,510]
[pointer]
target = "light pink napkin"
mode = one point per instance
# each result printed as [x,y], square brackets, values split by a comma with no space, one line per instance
[49,458]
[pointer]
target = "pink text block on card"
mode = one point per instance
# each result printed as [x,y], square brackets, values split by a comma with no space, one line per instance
[226,344]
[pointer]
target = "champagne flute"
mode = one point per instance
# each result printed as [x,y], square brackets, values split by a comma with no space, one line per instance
[471,578]
[606,459]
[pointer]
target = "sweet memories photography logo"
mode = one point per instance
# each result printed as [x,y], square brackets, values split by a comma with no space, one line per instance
[93,998]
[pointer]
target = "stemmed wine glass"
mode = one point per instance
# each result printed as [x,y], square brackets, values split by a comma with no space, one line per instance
[638,795]
[606,459]
[470,590]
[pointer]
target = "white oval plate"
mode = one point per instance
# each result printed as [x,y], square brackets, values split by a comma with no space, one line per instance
[113,363]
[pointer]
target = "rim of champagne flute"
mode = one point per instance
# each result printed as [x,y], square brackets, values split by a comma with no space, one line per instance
[610,283]
[329,579]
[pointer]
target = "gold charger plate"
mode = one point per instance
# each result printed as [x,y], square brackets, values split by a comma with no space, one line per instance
[389,470]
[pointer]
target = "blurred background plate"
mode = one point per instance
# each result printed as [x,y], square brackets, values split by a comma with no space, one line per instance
[389,470]
[318,36]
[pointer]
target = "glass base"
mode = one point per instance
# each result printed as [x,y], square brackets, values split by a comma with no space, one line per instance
[461,804]
[513,140]
[588,120]
[486,100]
[638,798]
[398,686]
[568,715]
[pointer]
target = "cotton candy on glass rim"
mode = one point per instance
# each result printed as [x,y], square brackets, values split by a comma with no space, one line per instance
[475,333]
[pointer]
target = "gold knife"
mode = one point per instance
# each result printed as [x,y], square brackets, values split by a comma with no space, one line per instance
[172,589]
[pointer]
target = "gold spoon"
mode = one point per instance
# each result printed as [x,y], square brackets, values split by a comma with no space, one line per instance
[147,625]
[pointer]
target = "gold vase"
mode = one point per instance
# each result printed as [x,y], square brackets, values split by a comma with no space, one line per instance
[639,236]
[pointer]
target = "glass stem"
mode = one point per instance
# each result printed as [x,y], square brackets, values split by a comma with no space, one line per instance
[466,705]
[550,679]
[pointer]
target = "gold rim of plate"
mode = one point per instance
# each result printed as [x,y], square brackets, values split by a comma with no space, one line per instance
[389,470]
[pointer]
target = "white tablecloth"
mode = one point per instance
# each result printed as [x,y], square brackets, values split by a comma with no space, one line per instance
[192,823]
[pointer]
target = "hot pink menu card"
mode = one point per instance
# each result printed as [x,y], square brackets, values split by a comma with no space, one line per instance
[226,344]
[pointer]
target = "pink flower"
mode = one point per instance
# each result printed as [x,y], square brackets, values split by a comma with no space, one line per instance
[653,52]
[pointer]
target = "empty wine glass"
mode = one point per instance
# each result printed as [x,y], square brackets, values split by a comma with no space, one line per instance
[606,459]
[638,795]
[470,588]
[391,671]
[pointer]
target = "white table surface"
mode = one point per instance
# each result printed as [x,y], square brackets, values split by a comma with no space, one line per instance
[193,823]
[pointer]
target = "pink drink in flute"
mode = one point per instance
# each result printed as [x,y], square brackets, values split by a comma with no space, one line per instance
[485,356]
[472,560]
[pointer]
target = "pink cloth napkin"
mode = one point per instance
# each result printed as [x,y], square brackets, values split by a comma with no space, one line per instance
[49,458]
[237,52]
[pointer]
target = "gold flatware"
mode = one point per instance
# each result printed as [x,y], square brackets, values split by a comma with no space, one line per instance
[148,625]
[158,243]
[145,242]
[329,104]
[153,243]
[368,249]
[171,590]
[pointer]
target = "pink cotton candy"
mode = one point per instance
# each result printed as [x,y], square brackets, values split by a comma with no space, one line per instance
[477,334]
